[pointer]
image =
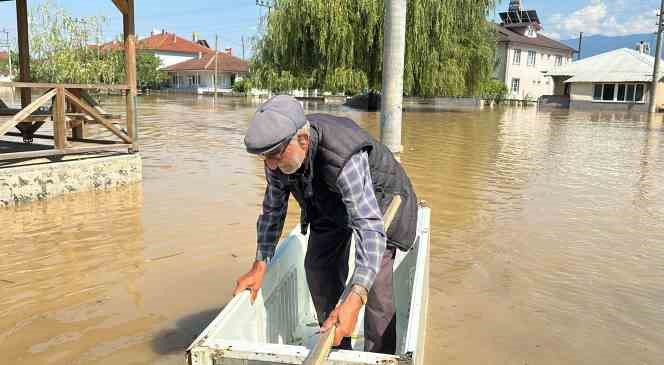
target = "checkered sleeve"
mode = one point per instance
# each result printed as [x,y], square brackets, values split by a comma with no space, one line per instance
[365,218]
[270,223]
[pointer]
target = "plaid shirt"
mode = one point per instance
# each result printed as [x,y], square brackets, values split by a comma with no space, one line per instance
[365,217]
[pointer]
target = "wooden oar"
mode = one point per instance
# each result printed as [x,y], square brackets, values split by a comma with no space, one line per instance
[319,353]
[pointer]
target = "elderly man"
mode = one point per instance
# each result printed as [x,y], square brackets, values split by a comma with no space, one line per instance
[343,180]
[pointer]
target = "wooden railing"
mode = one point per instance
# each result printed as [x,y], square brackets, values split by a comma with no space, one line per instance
[28,120]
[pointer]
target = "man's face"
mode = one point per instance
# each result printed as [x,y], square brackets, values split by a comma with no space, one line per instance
[292,157]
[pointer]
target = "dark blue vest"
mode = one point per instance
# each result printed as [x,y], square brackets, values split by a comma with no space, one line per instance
[333,140]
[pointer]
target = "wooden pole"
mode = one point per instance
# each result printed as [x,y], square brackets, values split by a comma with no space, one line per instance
[60,127]
[216,63]
[23,49]
[652,107]
[78,131]
[130,72]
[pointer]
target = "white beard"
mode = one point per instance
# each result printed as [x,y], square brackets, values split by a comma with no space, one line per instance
[292,166]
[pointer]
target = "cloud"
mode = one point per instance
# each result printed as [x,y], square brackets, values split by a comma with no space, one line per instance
[600,17]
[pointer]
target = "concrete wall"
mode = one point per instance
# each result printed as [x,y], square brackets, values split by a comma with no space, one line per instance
[27,183]
[533,79]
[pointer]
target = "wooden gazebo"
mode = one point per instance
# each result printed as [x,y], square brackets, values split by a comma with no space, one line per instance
[71,105]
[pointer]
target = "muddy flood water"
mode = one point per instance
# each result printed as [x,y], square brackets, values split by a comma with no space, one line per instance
[547,239]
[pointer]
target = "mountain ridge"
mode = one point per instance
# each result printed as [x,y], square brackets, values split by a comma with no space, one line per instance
[596,44]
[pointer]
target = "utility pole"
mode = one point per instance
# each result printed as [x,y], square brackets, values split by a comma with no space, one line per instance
[9,50]
[243,47]
[578,56]
[394,50]
[216,63]
[658,49]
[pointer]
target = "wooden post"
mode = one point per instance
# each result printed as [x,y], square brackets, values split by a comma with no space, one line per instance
[130,71]
[60,127]
[23,49]
[77,131]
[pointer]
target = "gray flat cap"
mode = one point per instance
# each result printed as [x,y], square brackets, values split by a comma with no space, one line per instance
[275,121]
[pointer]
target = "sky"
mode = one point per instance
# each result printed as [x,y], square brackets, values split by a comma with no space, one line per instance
[231,20]
[564,19]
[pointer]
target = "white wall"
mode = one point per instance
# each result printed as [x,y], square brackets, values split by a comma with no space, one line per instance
[171,58]
[206,80]
[533,79]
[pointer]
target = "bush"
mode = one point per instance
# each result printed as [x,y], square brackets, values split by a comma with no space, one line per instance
[242,86]
[494,90]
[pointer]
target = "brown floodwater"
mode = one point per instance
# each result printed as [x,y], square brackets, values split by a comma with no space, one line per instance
[547,239]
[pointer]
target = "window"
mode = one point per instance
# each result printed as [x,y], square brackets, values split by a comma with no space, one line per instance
[516,85]
[621,93]
[639,93]
[597,92]
[624,93]
[559,60]
[531,58]
[609,90]
[517,57]
[630,92]
[531,32]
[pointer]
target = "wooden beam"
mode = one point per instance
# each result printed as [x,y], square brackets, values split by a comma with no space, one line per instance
[47,85]
[96,116]
[130,71]
[121,5]
[60,127]
[61,152]
[73,139]
[77,124]
[20,116]
[23,49]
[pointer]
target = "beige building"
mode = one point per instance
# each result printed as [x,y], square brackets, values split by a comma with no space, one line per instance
[525,57]
[615,80]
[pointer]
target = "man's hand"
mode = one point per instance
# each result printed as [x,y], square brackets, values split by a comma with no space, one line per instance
[345,317]
[252,280]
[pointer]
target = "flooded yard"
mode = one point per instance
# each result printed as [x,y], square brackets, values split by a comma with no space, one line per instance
[547,240]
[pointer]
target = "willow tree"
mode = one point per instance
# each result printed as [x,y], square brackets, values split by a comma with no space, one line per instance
[338,46]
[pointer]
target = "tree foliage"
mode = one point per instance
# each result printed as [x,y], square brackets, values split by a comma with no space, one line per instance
[338,46]
[65,49]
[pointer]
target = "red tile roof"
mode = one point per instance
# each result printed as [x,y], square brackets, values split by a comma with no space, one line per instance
[165,42]
[226,63]
[507,36]
[3,56]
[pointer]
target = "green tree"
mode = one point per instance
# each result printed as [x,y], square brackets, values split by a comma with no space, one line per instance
[61,51]
[338,46]
[147,71]
[65,49]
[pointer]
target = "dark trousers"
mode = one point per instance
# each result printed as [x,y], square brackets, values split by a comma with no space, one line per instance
[326,265]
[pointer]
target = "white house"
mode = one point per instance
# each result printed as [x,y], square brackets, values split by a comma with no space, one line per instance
[197,75]
[524,56]
[615,80]
[168,47]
